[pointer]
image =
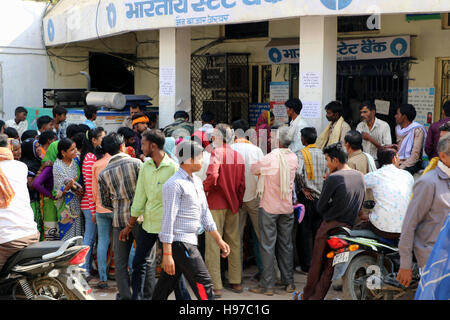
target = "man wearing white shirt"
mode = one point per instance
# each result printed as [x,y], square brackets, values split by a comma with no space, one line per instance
[20,122]
[392,189]
[375,132]
[17,226]
[293,109]
[251,154]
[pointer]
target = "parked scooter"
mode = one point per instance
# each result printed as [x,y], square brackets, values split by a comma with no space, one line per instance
[48,270]
[368,264]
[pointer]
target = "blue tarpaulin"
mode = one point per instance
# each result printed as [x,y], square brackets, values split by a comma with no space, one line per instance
[435,281]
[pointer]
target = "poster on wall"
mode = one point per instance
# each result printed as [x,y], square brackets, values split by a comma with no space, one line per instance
[255,110]
[279,94]
[34,113]
[423,100]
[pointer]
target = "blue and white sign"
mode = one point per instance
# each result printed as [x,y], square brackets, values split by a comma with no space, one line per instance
[349,50]
[107,18]
[336,4]
[373,48]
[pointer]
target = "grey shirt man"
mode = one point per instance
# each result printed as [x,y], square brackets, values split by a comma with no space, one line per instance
[424,218]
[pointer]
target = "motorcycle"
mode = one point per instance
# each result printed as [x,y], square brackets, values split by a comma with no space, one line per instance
[48,270]
[368,264]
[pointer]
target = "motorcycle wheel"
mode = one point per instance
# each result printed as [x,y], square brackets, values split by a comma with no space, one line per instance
[354,280]
[52,288]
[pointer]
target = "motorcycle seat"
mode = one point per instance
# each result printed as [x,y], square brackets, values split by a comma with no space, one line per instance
[34,251]
[364,233]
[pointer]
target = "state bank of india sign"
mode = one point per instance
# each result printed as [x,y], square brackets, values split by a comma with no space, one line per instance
[348,50]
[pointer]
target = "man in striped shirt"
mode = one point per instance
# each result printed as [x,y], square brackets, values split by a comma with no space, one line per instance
[185,210]
[308,186]
[117,184]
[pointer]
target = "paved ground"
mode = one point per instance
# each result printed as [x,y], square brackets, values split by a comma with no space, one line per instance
[248,282]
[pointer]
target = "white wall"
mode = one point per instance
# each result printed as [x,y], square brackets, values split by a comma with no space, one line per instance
[22,55]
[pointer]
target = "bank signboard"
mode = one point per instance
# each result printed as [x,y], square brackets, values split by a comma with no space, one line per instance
[348,50]
[71,21]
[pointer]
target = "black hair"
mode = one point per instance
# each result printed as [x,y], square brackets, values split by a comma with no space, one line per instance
[3,141]
[142,108]
[42,121]
[72,130]
[78,138]
[87,146]
[336,151]
[188,149]
[207,117]
[181,114]
[126,132]
[354,139]
[309,134]
[294,104]
[28,134]
[445,127]
[155,136]
[2,124]
[111,143]
[152,117]
[83,128]
[11,132]
[369,104]
[335,107]
[242,125]
[386,156]
[446,108]
[408,110]
[46,136]
[89,111]
[58,110]
[63,145]
[20,110]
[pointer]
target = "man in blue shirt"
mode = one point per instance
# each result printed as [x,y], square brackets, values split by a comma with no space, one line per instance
[185,210]
[90,112]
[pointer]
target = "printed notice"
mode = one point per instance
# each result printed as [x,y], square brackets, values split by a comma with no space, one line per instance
[167,81]
[311,80]
[423,100]
[382,106]
[311,110]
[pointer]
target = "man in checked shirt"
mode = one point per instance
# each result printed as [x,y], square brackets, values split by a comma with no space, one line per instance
[185,210]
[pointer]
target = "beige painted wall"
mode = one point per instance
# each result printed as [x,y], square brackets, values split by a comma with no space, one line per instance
[431,42]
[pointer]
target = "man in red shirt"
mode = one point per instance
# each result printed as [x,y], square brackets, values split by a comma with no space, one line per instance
[225,188]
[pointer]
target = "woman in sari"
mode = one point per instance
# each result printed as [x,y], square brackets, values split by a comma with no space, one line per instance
[31,156]
[43,183]
[66,174]
[263,126]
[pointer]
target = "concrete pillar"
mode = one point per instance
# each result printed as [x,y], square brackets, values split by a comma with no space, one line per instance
[174,73]
[317,85]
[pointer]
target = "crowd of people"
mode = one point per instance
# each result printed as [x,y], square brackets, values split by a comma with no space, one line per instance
[197,196]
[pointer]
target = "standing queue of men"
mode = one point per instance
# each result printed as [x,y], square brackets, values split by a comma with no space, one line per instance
[162,185]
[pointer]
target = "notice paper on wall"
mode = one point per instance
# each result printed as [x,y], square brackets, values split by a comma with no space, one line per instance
[311,110]
[382,106]
[423,100]
[167,81]
[310,80]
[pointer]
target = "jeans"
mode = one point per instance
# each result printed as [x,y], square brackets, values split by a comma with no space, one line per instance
[121,256]
[145,244]
[104,223]
[89,239]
